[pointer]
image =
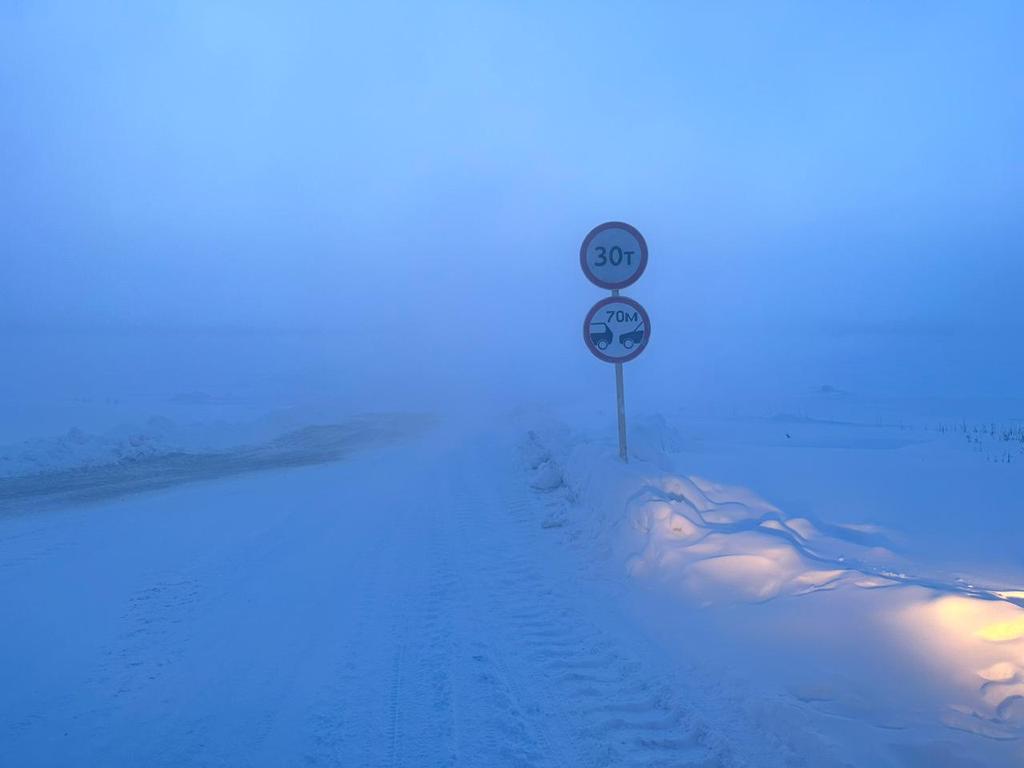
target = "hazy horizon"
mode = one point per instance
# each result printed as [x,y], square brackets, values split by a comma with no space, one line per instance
[830,195]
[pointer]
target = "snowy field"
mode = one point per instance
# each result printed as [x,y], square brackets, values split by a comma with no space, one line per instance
[836,584]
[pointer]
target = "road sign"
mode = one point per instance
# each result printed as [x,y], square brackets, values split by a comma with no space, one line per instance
[616,329]
[613,255]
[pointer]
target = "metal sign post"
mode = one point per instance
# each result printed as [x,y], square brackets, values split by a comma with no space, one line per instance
[617,328]
[620,403]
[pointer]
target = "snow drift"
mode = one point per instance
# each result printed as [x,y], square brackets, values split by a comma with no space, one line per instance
[710,544]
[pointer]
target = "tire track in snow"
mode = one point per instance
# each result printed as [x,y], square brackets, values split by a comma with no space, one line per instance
[394,737]
[469,650]
[400,656]
[426,716]
[507,723]
[561,668]
[350,719]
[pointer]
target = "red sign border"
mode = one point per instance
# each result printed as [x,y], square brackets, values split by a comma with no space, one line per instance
[596,308]
[601,228]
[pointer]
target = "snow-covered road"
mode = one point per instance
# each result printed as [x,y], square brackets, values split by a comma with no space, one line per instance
[415,604]
[400,608]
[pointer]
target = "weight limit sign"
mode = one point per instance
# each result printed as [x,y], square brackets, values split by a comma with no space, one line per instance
[616,329]
[613,255]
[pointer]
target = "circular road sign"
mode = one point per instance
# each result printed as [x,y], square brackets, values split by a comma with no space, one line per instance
[613,255]
[616,329]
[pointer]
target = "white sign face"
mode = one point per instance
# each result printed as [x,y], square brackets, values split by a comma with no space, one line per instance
[616,329]
[613,255]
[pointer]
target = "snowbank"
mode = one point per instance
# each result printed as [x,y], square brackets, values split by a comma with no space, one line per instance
[80,466]
[714,544]
[78,448]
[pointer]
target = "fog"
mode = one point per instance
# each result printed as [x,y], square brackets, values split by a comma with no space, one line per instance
[303,455]
[384,202]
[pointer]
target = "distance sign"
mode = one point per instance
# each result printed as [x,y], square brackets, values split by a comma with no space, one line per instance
[616,329]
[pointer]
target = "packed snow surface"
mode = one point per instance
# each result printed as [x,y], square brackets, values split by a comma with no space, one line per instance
[400,591]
